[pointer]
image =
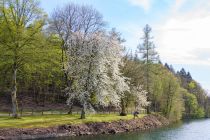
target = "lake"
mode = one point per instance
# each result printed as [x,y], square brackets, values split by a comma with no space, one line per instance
[186,130]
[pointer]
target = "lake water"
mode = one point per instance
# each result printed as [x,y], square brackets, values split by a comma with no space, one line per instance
[187,130]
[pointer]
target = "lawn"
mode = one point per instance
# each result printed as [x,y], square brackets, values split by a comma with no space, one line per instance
[55,120]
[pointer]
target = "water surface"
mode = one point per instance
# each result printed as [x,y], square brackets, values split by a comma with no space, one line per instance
[187,130]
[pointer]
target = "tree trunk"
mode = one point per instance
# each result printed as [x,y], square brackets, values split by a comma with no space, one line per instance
[14,95]
[70,109]
[155,106]
[83,112]
[122,113]
[148,95]
[67,82]
[147,75]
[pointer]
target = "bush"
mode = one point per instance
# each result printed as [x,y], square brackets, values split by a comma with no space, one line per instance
[199,113]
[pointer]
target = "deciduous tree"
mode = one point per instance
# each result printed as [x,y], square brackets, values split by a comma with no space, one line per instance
[22,21]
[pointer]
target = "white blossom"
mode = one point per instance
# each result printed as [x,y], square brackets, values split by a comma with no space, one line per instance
[141,96]
[94,68]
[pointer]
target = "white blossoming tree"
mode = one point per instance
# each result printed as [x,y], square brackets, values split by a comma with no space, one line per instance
[75,24]
[140,97]
[94,66]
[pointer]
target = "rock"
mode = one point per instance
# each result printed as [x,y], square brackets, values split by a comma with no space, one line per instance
[63,127]
[112,131]
[2,138]
[25,133]
[81,133]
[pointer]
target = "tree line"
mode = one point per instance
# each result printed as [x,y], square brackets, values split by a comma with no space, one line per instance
[70,54]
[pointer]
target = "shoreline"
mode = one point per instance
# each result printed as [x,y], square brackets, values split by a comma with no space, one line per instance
[148,122]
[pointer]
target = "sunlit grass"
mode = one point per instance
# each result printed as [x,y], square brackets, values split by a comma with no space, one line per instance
[55,120]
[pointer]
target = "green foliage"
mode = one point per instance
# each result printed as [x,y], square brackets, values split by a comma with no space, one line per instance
[164,87]
[34,54]
[199,113]
[93,98]
[192,85]
[192,109]
[167,95]
[170,96]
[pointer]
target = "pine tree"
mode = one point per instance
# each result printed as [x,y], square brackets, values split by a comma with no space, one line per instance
[147,48]
[167,66]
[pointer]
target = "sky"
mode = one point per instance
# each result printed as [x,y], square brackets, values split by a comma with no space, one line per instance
[181,29]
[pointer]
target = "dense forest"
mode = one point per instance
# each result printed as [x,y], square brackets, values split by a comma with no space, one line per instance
[71,57]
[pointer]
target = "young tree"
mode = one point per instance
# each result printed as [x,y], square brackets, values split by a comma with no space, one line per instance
[148,55]
[22,21]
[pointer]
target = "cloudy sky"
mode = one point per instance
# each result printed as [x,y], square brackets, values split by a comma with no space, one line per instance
[181,28]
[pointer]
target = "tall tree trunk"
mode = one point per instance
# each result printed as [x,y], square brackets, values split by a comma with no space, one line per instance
[86,86]
[14,95]
[147,85]
[63,67]
[83,112]
[65,76]
[147,76]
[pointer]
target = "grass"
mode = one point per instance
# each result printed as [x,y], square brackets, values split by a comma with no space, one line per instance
[55,120]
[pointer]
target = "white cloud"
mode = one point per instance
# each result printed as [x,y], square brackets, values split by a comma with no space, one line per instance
[178,4]
[145,4]
[183,37]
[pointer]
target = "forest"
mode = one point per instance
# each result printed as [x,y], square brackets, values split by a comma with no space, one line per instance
[71,58]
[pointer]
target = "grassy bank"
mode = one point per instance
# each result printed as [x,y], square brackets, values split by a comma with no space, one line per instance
[54,120]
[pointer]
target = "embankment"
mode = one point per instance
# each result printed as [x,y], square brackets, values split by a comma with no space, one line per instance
[141,124]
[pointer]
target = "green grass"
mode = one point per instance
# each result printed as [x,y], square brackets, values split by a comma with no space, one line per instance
[55,120]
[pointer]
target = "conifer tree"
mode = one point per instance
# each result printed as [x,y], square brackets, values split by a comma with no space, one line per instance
[148,55]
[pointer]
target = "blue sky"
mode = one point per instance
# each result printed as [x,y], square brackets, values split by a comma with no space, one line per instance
[181,28]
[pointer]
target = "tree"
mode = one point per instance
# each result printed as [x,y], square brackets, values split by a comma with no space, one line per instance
[157,92]
[167,66]
[193,87]
[148,55]
[22,21]
[71,19]
[138,96]
[183,72]
[97,70]
[74,21]
[171,100]
[192,109]
[147,48]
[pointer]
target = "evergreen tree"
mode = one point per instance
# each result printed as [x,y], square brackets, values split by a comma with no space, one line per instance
[182,72]
[167,66]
